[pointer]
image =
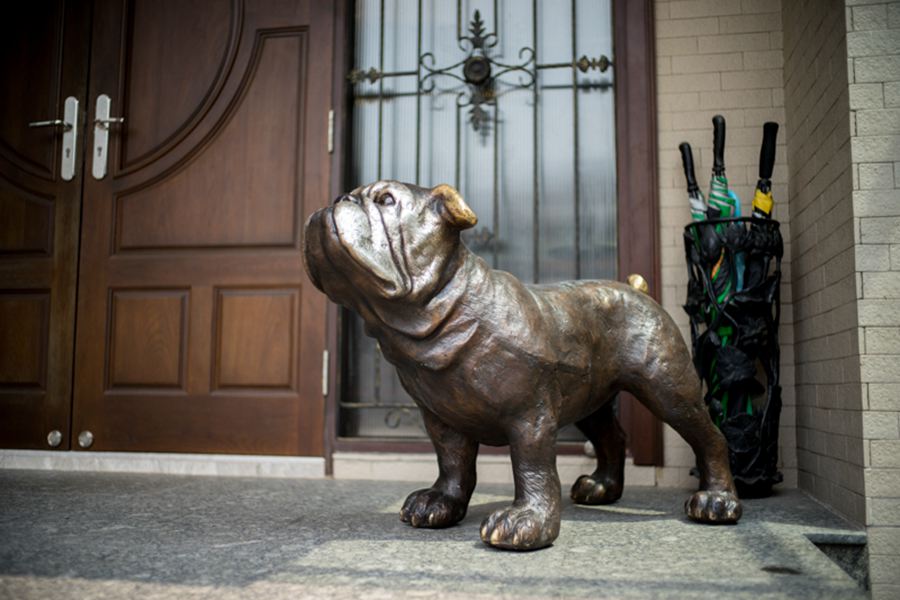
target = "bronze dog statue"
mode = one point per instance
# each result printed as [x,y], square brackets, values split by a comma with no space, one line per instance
[493,361]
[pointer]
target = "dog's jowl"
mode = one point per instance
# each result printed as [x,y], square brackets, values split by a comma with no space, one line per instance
[491,360]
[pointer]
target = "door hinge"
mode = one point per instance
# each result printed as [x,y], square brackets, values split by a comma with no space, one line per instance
[330,131]
[324,372]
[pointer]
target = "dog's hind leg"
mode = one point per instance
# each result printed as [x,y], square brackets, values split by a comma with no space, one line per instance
[445,502]
[604,485]
[672,392]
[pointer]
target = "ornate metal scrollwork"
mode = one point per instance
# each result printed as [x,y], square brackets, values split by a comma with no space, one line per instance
[584,64]
[404,416]
[357,75]
[481,72]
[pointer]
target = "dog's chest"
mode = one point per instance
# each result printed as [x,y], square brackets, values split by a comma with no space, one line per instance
[481,393]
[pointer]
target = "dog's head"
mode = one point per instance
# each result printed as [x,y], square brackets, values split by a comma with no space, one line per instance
[385,241]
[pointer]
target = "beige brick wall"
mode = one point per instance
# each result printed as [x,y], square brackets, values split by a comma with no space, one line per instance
[873,71]
[725,57]
[827,344]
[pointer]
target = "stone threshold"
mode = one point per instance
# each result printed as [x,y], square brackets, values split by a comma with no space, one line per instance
[379,466]
[231,465]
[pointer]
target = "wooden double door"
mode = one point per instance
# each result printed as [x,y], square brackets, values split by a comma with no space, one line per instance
[153,298]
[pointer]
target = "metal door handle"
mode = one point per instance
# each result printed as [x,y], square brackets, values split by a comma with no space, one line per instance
[102,121]
[109,121]
[69,124]
[53,123]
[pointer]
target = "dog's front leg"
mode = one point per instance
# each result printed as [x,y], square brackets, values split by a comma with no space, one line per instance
[532,521]
[446,501]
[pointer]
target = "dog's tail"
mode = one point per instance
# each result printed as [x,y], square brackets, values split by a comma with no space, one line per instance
[638,282]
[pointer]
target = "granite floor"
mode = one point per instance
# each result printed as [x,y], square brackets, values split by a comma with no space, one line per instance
[91,535]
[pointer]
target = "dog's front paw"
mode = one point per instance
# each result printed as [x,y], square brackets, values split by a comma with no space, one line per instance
[519,528]
[715,507]
[588,490]
[432,508]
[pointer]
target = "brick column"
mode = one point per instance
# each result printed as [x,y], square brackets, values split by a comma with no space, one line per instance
[873,68]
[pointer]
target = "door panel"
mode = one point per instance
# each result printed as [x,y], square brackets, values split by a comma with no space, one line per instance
[33,38]
[251,207]
[148,338]
[24,321]
[255,339]
[26,222]
[205,42]
[43,59]
[198,331]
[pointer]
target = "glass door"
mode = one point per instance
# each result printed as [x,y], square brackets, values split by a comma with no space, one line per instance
[510,102]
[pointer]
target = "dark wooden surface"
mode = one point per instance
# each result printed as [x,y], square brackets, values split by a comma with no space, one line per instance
[638,213]
[43,59]
[197,331]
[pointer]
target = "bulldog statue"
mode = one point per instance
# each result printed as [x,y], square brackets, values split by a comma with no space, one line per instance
[490,360]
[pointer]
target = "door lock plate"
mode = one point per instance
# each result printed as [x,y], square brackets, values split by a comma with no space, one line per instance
[69,139]
[102,122]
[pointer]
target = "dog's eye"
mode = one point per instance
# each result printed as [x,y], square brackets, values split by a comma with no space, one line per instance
[385,200]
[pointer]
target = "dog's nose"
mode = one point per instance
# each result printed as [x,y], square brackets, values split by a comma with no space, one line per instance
[346,197]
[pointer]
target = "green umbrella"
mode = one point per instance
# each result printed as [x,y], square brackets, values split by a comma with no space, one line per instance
[723,200]
[722,204]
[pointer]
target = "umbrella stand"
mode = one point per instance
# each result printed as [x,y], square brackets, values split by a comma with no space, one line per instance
[735,341]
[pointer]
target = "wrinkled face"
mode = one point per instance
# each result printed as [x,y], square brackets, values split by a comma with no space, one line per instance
[387,240]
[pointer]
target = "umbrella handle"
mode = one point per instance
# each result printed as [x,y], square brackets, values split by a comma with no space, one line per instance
[718,145]
[767,151]
[687,161]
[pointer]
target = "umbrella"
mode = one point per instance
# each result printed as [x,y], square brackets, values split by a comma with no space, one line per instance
[762,198]
[695,196]
[723,203]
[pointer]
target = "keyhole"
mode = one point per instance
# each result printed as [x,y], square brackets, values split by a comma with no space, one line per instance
[99,151]
[68,152]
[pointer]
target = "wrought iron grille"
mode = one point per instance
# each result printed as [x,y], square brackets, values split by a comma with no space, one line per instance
[510,102]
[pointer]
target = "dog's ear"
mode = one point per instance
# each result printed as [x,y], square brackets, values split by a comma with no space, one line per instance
[453,208]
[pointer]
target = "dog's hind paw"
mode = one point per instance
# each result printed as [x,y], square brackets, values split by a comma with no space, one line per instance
[432,508]
[588,490]
[519,528]
[714,507]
